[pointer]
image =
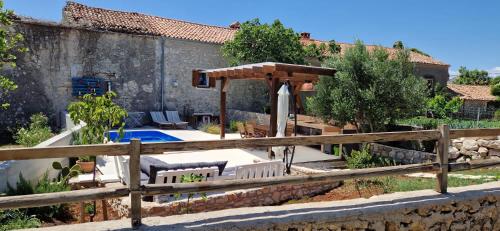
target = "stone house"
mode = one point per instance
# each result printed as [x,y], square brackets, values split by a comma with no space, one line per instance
[478,100]
[146,60]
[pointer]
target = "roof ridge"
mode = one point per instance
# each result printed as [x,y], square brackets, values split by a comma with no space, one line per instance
[70,2]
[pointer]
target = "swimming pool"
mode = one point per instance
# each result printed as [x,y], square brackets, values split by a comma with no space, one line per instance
[143,135]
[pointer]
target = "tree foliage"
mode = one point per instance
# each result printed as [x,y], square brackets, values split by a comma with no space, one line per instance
[398,45]
[256,42]
[369,89]
[100,114]
[442,108]
[472,77]
[10,44]
[37,132]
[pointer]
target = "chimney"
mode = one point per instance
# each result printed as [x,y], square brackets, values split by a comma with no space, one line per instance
[305,35]
[235,25]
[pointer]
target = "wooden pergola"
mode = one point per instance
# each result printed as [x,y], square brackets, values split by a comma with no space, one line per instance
[275,74]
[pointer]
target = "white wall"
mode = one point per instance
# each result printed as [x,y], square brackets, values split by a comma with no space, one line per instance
[34,169]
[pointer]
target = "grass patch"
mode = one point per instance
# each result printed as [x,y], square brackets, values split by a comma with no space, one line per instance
[482,171]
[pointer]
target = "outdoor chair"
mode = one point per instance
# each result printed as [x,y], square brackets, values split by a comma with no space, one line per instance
[159,119]
[175,176]
[242,130]
[251,133]
[173,117]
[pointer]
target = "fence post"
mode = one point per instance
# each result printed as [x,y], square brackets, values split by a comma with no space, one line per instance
[135,182]
[442,157]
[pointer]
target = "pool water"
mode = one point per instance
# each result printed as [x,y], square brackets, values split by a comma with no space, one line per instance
[143,135]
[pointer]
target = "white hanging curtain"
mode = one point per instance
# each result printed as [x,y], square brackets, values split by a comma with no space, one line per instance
[283,105]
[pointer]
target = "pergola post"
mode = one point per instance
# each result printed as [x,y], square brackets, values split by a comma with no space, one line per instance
[222,117]
[273,95]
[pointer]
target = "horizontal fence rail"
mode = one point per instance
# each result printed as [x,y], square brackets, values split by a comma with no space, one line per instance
[135,148]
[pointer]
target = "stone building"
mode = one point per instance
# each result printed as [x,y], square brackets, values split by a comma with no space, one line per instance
[478,101]
[146,60]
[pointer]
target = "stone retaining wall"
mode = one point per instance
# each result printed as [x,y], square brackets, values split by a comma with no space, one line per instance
[467,208]
[273,195]
[400,155]
[464,149]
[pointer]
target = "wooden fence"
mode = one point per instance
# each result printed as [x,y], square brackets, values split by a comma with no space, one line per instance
[135,148]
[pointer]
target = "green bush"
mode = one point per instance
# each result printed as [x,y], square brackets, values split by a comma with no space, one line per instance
[364,159]
[211,128]
[16,219]
[37,132]
[233,125]
[44,185]
[440,107]
[430,123]
[497,114]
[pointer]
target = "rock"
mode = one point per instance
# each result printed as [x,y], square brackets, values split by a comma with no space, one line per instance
[494,152]
[483,142]
[494,144]
[457,143]
[453,153]
[461,159]
[483,152]
[470,145]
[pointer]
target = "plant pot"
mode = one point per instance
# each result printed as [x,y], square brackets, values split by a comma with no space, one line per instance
[86,167]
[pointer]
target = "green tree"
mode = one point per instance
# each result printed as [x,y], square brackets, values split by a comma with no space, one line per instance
[369,89]
[398,45]
[442,108]
[100,114]
[10,44]
[255,42]
[334,48]
[472,77]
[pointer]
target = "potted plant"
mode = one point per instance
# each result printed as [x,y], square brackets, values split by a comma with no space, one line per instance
[86,163]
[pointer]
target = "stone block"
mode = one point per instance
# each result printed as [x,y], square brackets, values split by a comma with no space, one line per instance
[470,145]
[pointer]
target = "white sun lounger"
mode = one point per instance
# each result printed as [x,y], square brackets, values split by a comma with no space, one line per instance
[173,117]
[175,176]
[260,170]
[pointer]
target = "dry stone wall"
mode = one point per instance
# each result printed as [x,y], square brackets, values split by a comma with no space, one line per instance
[464,149]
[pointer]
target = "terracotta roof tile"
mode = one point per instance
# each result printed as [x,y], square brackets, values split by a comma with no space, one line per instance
[414,57]
[76,14]
[472,92]
[130,22]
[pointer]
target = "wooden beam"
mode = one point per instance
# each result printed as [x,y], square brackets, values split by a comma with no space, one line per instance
[135,182]
[442,157]
[44,199]
[458,133]
[273,95]
[227,185]
[304,69]
[222,116]
[63,151]
[160,148]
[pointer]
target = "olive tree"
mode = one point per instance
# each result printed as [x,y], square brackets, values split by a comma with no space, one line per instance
[255,42]
[370,89]
[10,44]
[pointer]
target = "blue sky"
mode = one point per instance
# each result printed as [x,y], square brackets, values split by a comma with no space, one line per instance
[458,32]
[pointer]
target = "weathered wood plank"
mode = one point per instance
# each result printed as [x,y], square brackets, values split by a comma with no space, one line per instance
[442,157]
[135,182]
[63,151]
[159,148]
[488,163]
[210,186]
[457,133]
[44,199]
[222,116]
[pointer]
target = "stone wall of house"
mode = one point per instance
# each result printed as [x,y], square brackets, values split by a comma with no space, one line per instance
[471,108]
[273,195]
[464,149]
[400,155]
[439,73]
[239,115]
[131,62]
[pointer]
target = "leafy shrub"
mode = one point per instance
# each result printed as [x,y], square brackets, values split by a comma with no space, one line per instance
[44,185]
[364,159]
[497,114]
[442,108]
[191,178]
[17,219]
[430,123]
[37,132]
[233,125]
[210,128]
